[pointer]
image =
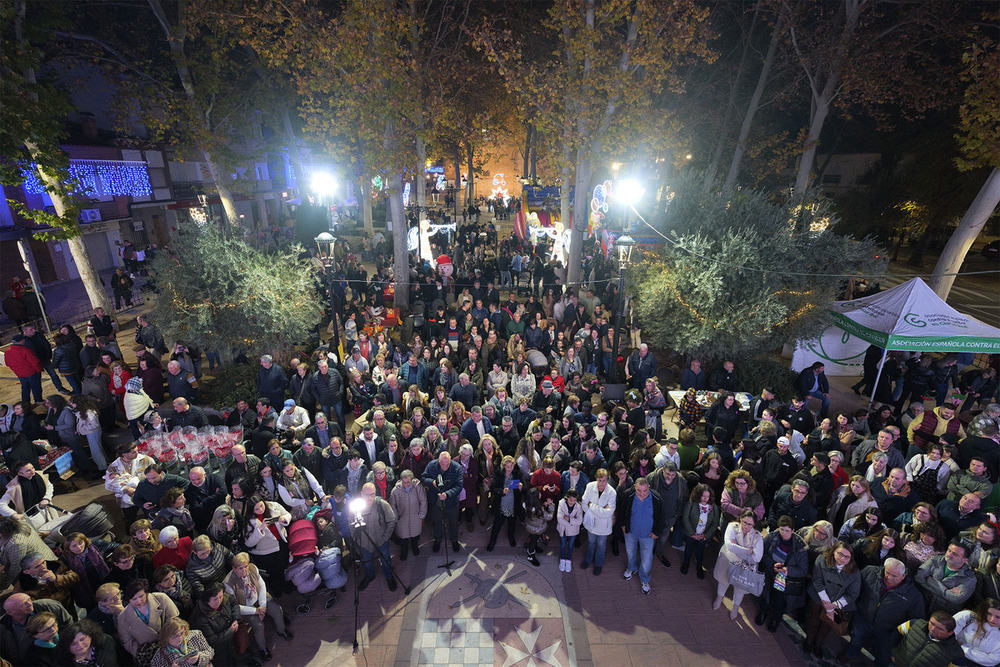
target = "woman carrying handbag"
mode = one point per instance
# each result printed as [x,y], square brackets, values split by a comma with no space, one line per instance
[743,547]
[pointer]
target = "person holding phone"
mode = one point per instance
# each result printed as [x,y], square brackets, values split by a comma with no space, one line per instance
[507,506]
[180,646]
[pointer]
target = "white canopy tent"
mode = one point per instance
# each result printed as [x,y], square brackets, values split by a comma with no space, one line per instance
[912,317]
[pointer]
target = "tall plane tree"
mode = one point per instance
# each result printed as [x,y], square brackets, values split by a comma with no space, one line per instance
[979,140]
[612,57]
[31,118]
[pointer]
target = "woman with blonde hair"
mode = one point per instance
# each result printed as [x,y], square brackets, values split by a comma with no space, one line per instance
[414,398]
[180,645]
[247,586]
[819,538]
[850,500]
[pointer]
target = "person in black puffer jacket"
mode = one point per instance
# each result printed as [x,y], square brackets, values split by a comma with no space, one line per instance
[66,360]
[326,385]
[217,615]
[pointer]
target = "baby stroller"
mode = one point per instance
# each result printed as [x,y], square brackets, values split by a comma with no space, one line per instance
[310,568]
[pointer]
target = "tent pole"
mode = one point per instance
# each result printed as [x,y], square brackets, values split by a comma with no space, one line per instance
[878,376]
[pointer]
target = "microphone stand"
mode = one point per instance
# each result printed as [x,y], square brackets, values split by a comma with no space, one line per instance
[357,529]
[444,524]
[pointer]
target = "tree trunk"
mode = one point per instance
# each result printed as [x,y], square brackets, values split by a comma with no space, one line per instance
[301,183]
[421,179]
[470,187]
[965,235]
[754,104]
[534,156]
[222,186]
[400,255]
[527,151]
[175,40]
[458,179]
[723,133]
[78,250]
[565,205]
[822,96]
[584,172]
[366,206]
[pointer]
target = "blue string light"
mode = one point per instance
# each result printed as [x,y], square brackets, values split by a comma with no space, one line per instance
[100,178]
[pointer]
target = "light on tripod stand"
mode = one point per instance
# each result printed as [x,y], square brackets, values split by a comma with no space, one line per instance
[357,507]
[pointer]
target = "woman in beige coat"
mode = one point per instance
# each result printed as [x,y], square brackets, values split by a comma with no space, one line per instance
[140,622]
[409,502]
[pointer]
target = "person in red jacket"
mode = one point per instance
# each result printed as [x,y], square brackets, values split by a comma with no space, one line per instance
[26,366]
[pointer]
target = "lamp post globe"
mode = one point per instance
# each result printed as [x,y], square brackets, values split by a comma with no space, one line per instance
[623,245]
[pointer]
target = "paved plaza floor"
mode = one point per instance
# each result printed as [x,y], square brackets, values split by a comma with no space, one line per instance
[498,609]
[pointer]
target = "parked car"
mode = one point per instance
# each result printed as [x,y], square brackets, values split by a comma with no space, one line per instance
[991,250]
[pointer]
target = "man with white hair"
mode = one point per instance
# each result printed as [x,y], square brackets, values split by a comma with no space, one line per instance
[204,495]
[379,523]
[990,415]
[641,366]
[181,383]
[888,598]
[47,580]
[464,391]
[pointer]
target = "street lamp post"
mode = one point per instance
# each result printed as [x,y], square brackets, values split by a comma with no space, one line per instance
[624,246]
[326,244]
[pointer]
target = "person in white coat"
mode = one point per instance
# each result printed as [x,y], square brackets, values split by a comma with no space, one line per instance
[599,501]
[569,518]
[978,631]
[123,476]
[742,544]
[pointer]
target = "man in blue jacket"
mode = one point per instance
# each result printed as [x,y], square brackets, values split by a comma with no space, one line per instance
[444,484]
[475,427]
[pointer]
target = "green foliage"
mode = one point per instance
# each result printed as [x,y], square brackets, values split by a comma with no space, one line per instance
[31,117]
[223,294]
[230,384]
[742,273]
[979,125]
[757,370]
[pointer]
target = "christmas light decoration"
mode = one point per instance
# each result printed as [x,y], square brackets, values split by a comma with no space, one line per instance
[100,178]
[500,188]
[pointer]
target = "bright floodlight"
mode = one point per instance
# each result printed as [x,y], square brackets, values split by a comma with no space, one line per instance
[629,191]
[323,183]
[357,506]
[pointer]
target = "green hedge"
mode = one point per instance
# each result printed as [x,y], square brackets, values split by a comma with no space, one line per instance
[766,370]
[229,384]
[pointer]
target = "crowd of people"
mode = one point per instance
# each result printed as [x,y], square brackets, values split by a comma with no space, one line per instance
[493,412]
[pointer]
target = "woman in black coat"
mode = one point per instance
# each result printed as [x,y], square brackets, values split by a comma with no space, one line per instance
[26,422]
[785,555]
[85,643]
[216,614]
[507,506]
[724,413]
